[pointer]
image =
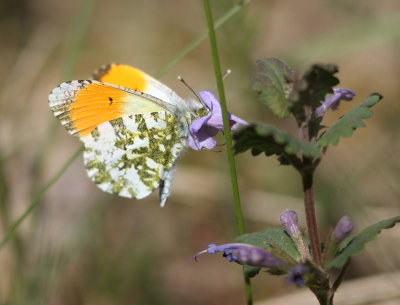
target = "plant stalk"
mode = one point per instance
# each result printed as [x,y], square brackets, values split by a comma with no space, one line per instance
[311,218]
[228,136]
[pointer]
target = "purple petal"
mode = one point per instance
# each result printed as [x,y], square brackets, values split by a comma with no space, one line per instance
[342,229]
[332,101]
[289,221]
[296,275]
[236,122]
[216,113]
[209,99]
[255,256]
[202,130]
[201,139]
[198,123]
[245,254]
[215,109]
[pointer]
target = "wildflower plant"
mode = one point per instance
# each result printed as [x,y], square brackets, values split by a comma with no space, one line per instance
[288,250]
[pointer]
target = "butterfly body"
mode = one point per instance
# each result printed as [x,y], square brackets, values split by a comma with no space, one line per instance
[133,127]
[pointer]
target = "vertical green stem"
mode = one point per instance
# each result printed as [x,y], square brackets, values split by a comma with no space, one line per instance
[227,131]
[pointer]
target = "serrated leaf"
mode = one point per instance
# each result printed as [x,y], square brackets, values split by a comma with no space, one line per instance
[271,82]
[345,125]
[315,84]
[356,245]
[272,141]
[276,237]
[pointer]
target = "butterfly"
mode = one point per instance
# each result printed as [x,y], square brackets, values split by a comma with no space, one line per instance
[133,127]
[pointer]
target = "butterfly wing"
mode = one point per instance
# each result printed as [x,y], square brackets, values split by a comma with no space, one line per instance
[132,140]
[135,79]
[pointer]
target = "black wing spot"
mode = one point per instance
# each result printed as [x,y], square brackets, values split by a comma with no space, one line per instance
[110,99]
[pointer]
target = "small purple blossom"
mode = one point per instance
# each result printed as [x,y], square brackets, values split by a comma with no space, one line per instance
[296,275]
[333,101]
[202,130]
[245,254]
[289,221]
[342,229]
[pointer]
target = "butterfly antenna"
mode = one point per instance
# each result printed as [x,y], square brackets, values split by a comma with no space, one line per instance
[227,72]
[180,78]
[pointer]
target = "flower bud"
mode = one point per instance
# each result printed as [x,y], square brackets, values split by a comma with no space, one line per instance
[342,229]
[289,221]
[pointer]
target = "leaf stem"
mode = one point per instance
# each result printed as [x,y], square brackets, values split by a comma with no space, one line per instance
[228,136]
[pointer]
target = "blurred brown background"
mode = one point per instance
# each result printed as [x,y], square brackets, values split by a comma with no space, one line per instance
[82,246]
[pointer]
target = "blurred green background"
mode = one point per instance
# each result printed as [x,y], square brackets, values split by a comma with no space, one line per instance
[83,246]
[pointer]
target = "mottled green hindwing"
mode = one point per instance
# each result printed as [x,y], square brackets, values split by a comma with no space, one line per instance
[130,156]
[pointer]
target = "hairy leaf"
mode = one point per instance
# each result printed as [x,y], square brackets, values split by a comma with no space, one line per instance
[274,240]
[271,81]
[345,126]
[272,141]
[270,239]
[355,246]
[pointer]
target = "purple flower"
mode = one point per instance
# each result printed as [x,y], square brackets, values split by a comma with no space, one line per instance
[342,229]
[202,130]
[246,255]
[296,275]
[333,101]
[289,221]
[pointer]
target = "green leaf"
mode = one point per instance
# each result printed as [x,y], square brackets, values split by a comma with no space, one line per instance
[270,238]
[355,246]
[311,89]
[272,141]
[345,126]
[251,271]
[271,81]
[274,240]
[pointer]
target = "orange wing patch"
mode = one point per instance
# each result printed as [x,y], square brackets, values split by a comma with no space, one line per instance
[83,105]
[122,75]
[95,104]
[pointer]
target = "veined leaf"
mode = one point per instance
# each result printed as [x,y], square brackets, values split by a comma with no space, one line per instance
[270,140]
[271,81]
[352,120]
[355,246]
[275,236]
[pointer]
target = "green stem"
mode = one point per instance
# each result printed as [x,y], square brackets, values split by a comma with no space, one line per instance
[227,131]
[39,195]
